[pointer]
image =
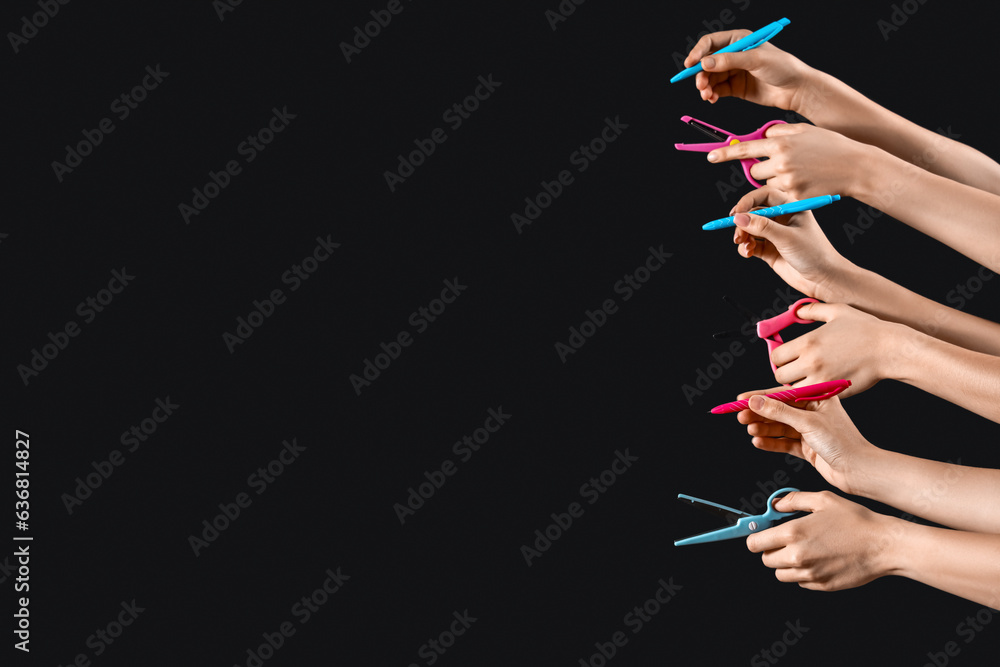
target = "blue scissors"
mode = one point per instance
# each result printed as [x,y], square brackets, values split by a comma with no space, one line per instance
[740,523]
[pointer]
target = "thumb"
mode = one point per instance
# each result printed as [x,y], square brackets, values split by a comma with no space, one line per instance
[797,418]
[817,312]
[798,501]
[762,227]
[722,62]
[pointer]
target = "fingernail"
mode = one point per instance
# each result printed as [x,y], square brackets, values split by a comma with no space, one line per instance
[756,402]
[713,156]
[741,220]
[708,62]
[731,210]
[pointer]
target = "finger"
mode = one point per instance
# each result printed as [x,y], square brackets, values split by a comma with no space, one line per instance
[749,416]
[799,419]
[749,61]
[792,372]
[743,150]
[791,446]
[772,538]
[766,251]
[792,575]
[713,42]
[771,430]
[762,227]
[762,171]
[821,312]
[801,501]
[761,197]
[783,558]
[730,87]
[789,351]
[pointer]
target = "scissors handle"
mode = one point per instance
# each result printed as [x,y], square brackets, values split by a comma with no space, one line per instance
[771,515]
[768,329]
[749,162]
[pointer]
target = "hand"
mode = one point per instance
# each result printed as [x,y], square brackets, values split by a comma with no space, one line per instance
[766,75]
[852,345]
[839,545]
[804,160]
[793,245]
[819,432]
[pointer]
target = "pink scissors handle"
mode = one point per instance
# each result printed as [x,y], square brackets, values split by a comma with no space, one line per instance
[768,329]
[728,140]
[753,136]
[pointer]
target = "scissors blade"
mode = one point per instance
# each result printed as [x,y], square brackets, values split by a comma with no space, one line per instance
[748,314]
[707,129]
[730,515]
[742,310]
[739,530]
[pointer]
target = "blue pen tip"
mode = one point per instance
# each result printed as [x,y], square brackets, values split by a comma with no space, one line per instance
[836,197]
[784,21]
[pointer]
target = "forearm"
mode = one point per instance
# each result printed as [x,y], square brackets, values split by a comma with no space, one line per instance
[879,296]
[960,376]
[966,564]
[953,495]
[832,104]
[958,215]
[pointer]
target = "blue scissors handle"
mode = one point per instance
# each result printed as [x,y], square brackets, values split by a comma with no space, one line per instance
[746,523]
[771,515]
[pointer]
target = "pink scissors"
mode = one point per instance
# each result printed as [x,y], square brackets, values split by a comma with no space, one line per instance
[725,138]
[768,329]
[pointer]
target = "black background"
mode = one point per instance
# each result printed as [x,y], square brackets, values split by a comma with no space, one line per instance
[323,175]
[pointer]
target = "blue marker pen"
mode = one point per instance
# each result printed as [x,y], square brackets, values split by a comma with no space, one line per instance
[751,41]
[774,211]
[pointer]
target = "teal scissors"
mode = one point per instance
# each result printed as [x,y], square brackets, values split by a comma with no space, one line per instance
[740,523]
